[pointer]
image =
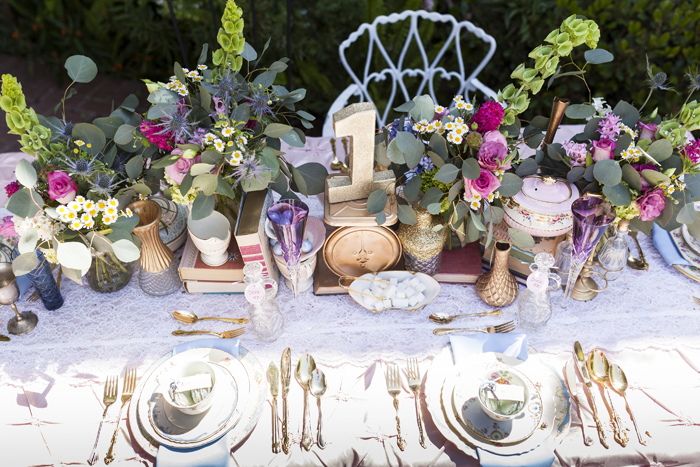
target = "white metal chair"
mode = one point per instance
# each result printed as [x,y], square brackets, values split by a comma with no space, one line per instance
[469,83]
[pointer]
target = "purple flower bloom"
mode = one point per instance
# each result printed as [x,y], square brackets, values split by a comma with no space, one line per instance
[609,127]
[647,131]
[576,152]
[488,117]
[651,204]
[603,149]
[639,168]
[692,151]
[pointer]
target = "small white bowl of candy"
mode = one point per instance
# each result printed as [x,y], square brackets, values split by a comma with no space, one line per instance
[402,290]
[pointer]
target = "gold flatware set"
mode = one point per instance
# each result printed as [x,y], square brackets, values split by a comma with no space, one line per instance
[596,368]
[393,387]
[188,317]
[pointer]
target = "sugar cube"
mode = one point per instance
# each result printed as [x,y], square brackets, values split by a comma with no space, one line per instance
[421,297]
[391,291]
[401,287]
[386,303]
[400,295]
[415,282]
[410,291]
[413,300]
[394,281]
[400,302]
[406,282]
[421,287]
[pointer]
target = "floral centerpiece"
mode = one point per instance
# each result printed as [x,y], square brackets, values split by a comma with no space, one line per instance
[460,161]
[70,201]
[216,130]
[647,166]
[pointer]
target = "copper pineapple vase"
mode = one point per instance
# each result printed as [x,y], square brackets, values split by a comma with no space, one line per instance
[498,287]
[159,271]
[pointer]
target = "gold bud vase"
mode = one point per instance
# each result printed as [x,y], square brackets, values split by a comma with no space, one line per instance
[498,287]
[422,245]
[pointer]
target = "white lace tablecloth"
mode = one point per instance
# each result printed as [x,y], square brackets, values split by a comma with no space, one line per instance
[51,379]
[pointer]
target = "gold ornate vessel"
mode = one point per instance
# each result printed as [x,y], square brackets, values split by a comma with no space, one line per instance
[423,242]
[498,287]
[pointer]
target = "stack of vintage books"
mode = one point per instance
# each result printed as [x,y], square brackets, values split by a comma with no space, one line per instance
[248,243]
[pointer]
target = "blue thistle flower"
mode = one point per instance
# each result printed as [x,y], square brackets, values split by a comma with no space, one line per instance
[260,102]
[177,124]
[103,184]
[227,86]
[81,167]
[694,76]
[656,81]
[66,132]
[249,169]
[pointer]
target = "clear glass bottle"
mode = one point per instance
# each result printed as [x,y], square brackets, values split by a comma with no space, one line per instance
[264,313]
[562,258]
[613,256]
[535,304]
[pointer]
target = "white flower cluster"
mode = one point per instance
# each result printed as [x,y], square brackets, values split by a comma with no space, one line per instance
[601,108]
[461,105]
[238,142]
[474,201]
[45,227]
[628,130]
[632,153]
[80,213]
[177,86]
[457,130]
[424,126]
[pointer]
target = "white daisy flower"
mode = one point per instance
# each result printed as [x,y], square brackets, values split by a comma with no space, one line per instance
[107,220]
[197,79]
[236,157]
[449,126]
[201,67]
[110,211]
[192,74]
[85,218]
[62,209]
[88,205]
[182,92]
[127,212]
[90,224]
[469,107]
[174,79]
[79,143]
[209,138]
[477,196]
[69,217]
[242,140]
[80,199]
[490,198]
[474,205]
[219,145]
[439,109]
[430,128]
[227,132]
[671,189]
[76,225]
[75,206]
[93,212]
[142,196]
[458,98]
[185,70]
[440,130]
[459,120]
[113,202]
[101,205]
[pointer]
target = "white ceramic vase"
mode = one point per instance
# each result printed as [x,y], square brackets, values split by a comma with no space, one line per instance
[211,236]
[306,272]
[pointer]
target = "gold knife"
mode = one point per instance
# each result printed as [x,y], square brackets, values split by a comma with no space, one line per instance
[286,369]
[581,365]
[4,338]
[573,391]
[273,375]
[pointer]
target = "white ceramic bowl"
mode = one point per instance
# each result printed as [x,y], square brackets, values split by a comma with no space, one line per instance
[359,285]
[184,370]
[510,376]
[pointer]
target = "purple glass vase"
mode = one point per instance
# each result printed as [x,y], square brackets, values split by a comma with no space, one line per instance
[288,218]
[592,215]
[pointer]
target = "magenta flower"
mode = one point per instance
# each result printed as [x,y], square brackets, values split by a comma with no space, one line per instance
[61,187]
[603,149]
[491,156]
[7,228]
[151,131]
[651,204]
[609,127]
[12,188]
[639,167]
[576,152]
[488,117]
[486,184]
[647,131]
[691,151]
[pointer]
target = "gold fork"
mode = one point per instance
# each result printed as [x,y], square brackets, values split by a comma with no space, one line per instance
[393,386]
[696,300]
[110,397]
[128,391]
[499,329]
[413,376]
[223,335]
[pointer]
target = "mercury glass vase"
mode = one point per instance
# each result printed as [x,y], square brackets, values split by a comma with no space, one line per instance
[44,283]
[592,215]
[423,242]
[158,274]
[107,274]
[288,218]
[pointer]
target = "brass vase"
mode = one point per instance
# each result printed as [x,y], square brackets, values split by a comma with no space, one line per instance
[158,274]
[422,245]
[498,287]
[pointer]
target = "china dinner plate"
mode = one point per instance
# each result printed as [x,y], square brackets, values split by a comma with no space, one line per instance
[177,427]
[469,413]
[679,239]
[692,242]
[537,369]
[252,381]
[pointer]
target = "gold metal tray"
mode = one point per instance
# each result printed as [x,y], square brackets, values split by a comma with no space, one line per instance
[354,251]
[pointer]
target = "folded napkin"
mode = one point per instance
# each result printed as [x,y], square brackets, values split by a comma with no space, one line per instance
[514,345]
[668,249]
[215,454]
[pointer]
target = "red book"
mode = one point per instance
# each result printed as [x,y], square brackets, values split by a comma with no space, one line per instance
[461,266]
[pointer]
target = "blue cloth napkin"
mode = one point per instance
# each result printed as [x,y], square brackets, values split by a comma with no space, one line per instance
[514,345]
[23,283]
[215,454]
[664,243]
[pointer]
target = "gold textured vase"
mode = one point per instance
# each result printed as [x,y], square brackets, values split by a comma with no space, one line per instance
[422,242]
[158,274]
[498,287]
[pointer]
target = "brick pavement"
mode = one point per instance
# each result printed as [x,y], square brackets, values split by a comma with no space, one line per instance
[43,92]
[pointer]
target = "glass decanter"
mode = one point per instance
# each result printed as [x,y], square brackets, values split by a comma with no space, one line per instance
[613,256]
[562,258]
[535,304]
[264,313]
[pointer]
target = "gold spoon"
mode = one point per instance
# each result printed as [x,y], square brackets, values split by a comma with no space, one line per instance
[618,381]
[598,369]
[640,264]
[318,389]
[305,368]
[188,317]
[444,318]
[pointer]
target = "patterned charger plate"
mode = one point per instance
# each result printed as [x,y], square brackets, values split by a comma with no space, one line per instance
[692,271]
[470,413]
[692,242]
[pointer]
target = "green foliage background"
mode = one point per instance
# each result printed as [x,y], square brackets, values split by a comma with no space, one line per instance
[136,39]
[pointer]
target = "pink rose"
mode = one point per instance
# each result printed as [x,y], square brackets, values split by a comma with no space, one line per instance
[603,149]
[491,155]
[179,169]
[496,137]
[61,187]
[486,184]
[639,168]
[647,131]
[651,204]
[7,228]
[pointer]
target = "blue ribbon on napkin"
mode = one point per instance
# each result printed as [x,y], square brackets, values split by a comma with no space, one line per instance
[668,249]
[215,454]
[513,345]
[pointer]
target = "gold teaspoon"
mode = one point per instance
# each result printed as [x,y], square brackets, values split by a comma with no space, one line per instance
[598,369]
[188,317]
[618,381]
